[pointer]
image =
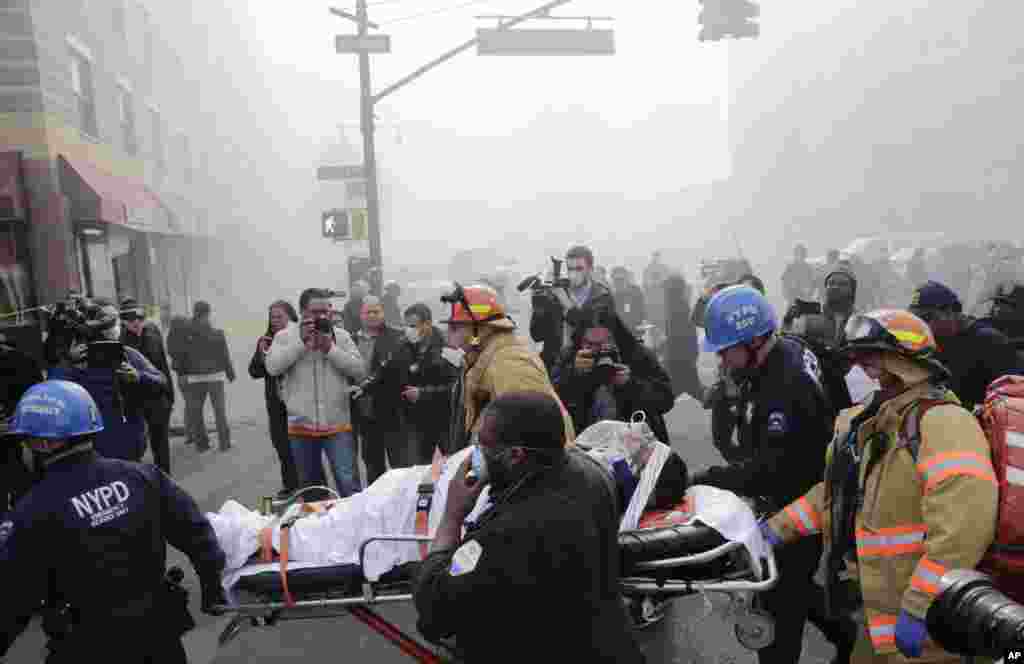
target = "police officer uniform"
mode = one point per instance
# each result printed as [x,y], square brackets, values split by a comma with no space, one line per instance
[537,574]
[786,423]
[93,533]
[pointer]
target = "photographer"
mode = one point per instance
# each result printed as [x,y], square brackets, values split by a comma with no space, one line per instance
[378,400]
[821,326]
[120,379]
[607,374]
[559,307]
[316,364]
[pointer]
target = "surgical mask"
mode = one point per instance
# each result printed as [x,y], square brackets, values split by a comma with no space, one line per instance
[412,335]
[455,356]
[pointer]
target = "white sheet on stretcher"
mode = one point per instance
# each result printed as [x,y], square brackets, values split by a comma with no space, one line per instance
[388,507]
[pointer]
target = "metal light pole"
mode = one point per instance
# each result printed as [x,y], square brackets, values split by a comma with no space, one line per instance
[369,156]
[367,100]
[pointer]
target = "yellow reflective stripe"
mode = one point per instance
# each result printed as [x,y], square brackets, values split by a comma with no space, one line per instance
[480,308]
[908,336]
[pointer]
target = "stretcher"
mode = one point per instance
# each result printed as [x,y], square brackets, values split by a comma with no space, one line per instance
[669,556]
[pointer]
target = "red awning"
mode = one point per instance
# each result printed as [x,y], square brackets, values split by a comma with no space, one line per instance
[100,196]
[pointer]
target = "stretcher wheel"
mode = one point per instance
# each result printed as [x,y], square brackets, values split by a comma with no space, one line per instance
[234,628]
[755,630]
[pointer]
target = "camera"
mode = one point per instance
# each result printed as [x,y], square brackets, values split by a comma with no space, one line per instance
[323,325]
[539,286]
[605,365]
[607,357]
[971,616]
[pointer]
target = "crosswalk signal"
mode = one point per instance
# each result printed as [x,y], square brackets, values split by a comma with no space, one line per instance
[728,18]
[334,225]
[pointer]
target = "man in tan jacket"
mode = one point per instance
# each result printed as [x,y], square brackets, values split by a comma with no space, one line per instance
[909,492]
[496,361]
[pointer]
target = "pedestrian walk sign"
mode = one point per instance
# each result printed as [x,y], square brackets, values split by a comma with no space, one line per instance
[334,224]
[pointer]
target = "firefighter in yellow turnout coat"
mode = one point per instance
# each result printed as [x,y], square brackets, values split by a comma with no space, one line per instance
[909,491]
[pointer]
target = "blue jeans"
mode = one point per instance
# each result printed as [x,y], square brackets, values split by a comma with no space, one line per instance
[340,451]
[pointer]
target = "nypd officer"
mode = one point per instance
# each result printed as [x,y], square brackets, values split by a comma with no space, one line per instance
[94,532]
[786,423]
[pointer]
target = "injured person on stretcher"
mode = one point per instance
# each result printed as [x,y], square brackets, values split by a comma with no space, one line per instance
[342,548]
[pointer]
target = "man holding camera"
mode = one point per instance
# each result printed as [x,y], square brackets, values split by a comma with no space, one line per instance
[146,338]
[119,378]
[560,306]
[318,363]
[378,399]
[608,374]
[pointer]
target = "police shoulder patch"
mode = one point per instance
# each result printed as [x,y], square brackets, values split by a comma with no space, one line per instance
[811,366]
[777,422]
[466,558]
[6,528]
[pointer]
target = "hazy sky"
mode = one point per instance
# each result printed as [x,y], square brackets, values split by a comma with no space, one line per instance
[647,120]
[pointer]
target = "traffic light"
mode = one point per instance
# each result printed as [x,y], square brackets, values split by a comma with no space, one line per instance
[334,225]
[728,18]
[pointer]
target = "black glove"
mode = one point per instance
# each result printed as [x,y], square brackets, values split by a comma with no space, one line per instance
[213,596]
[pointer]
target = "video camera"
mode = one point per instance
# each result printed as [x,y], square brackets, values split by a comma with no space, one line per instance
[78,321]
[537,285]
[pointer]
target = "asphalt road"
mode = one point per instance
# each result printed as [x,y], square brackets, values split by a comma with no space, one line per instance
[249,471]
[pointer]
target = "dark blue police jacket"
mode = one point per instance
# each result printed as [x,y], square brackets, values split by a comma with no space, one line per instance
[124,430]
[94,532]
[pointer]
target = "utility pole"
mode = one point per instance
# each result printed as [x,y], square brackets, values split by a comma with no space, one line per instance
[369,156]
[366,44]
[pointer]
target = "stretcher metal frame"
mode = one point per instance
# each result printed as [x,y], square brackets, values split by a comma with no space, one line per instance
[750,623]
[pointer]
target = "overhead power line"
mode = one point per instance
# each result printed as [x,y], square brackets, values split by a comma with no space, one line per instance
[433,12]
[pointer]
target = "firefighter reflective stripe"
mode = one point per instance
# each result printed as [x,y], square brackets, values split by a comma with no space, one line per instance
[882,630]
[926,576]
[1015,476]
[1015,439]
[942,466]
[804,517]
[891,541]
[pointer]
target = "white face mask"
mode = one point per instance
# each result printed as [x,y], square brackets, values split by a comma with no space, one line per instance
[412,335]
[454,355]
[861,385]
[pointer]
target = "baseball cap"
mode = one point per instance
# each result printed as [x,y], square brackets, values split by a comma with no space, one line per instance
[933,295]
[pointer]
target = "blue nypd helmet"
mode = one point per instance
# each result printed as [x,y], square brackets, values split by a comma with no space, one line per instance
[56,409]
[736,315]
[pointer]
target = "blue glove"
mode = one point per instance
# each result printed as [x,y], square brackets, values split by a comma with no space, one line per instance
[770,535]
[910,634]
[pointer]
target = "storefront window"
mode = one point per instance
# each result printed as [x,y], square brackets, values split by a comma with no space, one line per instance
[15,280]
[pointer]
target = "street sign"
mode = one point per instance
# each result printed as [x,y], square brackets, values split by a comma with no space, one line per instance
[335,224]
[355,189]
[364,44]
[352,172]
[505,41]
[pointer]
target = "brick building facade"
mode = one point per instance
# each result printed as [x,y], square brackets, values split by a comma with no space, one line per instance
[103,162]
